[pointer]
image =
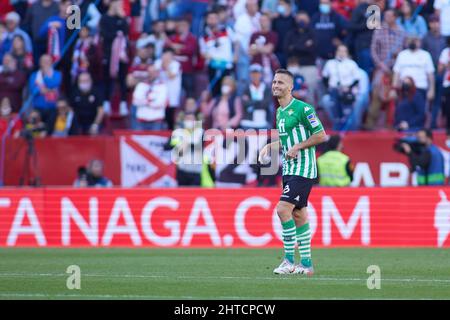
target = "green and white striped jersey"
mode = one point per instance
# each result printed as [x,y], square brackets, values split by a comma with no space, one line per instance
[296,123]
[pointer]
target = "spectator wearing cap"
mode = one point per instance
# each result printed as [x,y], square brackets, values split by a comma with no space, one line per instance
[12,21]
[442,9]
[262,47]
[145,57]
[246,24]
[434,43]
[35,17]
[12,82]
[185,47]
[282,24]
[300,44]
[410,21]
[257,101]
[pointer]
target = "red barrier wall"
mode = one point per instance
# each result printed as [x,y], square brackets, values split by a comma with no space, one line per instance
[377,164]
[374,217]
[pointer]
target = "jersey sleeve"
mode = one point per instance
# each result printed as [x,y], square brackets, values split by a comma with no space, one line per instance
[311,120]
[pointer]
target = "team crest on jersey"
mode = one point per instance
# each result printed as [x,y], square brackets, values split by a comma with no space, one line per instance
[290,112]
[313,120]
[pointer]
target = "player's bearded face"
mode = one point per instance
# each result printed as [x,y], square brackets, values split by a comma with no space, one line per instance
[281,85]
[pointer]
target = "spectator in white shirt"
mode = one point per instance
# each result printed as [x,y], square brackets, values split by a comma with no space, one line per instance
[171,74]
[415,63]
[341,76]
[246,24]
[444,68]
[442,8]
[150,99]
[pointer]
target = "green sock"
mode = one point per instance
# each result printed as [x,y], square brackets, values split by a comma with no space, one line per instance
[304,244]
[289,239]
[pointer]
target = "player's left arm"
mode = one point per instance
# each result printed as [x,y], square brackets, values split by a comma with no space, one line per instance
[318,135]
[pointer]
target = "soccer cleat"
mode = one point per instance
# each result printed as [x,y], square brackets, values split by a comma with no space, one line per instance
[285,268]
[300,269]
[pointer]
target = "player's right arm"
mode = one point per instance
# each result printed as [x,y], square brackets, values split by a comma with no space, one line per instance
[266,149]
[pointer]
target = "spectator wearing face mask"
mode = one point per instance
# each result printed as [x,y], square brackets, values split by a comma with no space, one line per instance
[6,118]
[300,45]
[224,111]
[87,105]
[188,141]
[257,102]
[330,29]
[417,64]
[282,24]
[12,82]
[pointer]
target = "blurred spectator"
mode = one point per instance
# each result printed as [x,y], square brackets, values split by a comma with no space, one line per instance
[34,127]
[65,124]
[185,46]
[190,106]
[310,6]
[282,24]
[158,37]
[442,9]
[361,36]
[225,17]
[345,7]
[44,86]
[88,7]
[262,46]
[300,90]
[6,116]
[330,29]
[86,56]
[257,101]
[145,56]
[417,64]
[150,100]
[12,21]
[188,143]
[170,72]
[225,111]
[434,43]
[93,176]
[334,167]
[246,24]
[87,105]
[12,82]
[216,47]
[410,20]
[387,42]
[114,32]
[362,99]
[24,59]
[35,17]
[195,8]
[410,109]
[300,44]
[444,69]
[20,6]
[341,77]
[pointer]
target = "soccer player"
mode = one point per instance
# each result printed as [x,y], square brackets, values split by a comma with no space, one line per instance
[299,130]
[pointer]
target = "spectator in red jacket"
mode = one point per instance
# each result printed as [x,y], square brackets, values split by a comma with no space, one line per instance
[6,116]
[184,44]
[12,82]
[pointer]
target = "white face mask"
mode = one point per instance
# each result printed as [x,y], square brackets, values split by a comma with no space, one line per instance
[85,87]
[5,111]
[189,124]
[226,90]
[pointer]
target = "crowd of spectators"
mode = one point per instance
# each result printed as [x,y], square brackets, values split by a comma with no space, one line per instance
[153,61]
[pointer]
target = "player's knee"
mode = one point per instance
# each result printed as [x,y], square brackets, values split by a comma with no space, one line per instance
[283,211]
[300,216]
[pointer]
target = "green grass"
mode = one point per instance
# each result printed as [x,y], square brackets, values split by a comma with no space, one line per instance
[221,274]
